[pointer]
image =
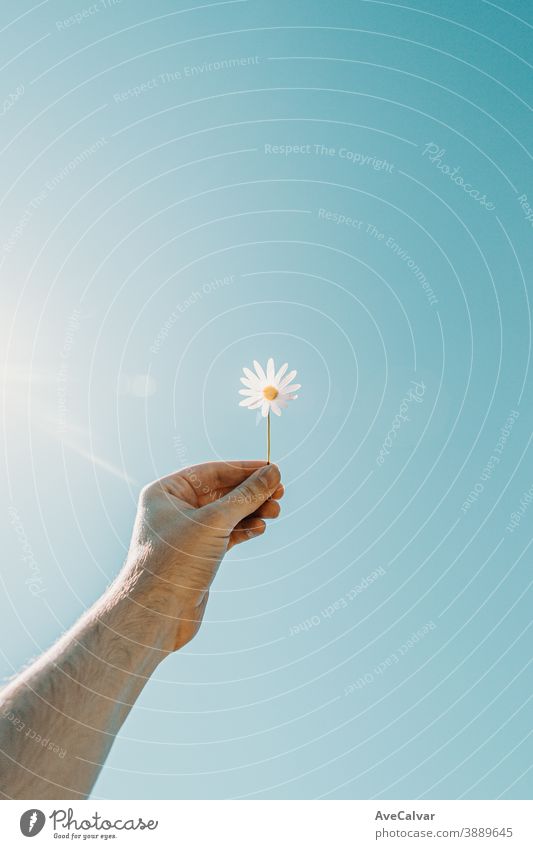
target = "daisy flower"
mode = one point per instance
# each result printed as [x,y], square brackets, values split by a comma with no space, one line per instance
[269,390]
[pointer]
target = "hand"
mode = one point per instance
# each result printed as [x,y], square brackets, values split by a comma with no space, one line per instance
[185,524]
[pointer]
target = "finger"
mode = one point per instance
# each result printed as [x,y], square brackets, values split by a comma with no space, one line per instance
[218,475]
[268,510]
[247,529]
[245,498]
[278,493]
[214,494]
[251,524]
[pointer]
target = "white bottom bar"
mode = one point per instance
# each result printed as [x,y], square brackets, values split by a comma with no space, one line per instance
[269,824]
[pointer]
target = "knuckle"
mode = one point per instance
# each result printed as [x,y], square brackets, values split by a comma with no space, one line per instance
[150,490]
[147,491]
[246,494]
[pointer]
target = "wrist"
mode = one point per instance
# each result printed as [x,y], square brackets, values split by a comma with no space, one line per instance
[144,608]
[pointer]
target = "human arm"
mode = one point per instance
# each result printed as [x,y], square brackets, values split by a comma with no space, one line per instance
[78,694]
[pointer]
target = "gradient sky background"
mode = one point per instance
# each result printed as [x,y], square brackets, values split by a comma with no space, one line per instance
[138,194]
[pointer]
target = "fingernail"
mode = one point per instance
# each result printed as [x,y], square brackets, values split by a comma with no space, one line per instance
[269,474]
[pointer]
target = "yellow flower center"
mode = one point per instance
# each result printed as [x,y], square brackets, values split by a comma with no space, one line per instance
[270,392]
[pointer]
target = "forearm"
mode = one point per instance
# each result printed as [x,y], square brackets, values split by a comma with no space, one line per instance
[76,697]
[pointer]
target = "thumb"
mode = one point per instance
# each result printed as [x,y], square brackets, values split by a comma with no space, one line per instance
[248,496]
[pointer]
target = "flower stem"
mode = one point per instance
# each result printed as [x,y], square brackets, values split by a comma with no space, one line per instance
[268,437]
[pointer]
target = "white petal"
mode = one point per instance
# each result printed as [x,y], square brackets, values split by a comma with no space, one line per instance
[265,408]
[275,408]
[281,372]
[256,404]
[249,374]
[256,384]
[287,379]
[260,373]
[253,392]
[247,402]
[271,371]
[246,382]
[292,388]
